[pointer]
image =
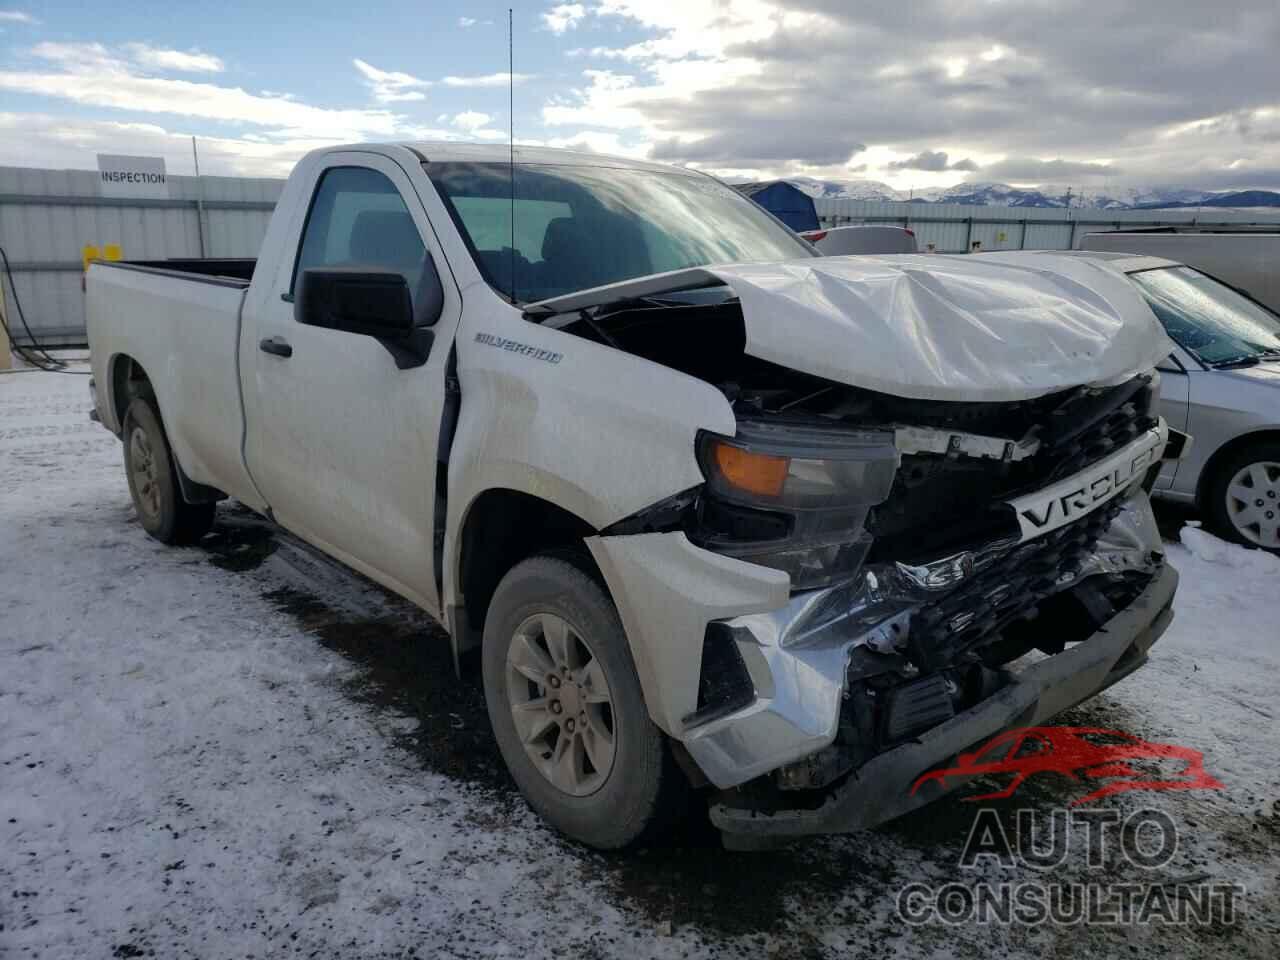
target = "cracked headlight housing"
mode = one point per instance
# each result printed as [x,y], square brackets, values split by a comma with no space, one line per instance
[794,496]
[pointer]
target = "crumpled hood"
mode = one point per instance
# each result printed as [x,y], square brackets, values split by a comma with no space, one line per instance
[927,326]
[948,327]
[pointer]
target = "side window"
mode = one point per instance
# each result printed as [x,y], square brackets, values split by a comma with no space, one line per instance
[358,218]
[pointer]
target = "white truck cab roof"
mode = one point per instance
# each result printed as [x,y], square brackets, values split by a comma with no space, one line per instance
[445,151]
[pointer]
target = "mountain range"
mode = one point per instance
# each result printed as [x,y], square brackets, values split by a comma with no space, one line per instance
[1002,194]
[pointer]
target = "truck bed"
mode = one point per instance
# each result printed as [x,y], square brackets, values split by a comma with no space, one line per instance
[179,318]
[229,271]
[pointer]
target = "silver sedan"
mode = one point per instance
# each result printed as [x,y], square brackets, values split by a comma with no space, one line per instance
[1222,386]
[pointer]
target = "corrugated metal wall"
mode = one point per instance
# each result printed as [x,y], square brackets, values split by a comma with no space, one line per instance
[47,217]
[953,227]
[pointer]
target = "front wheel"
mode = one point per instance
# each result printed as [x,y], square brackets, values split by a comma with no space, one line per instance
[567,710]
[1244,497]
[153,480]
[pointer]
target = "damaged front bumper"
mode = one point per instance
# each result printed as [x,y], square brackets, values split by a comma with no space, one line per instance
[814,711]
[881,789]
[798,655]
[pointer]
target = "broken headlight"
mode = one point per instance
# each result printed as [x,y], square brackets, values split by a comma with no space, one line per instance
[794,496]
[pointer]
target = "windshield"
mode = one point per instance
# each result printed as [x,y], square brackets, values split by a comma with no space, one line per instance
[578,227]
[1208,318]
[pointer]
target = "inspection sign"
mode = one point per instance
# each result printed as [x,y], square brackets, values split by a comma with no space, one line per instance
[140,178]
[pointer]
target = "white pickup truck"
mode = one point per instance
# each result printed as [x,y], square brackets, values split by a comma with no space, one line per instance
[714,513]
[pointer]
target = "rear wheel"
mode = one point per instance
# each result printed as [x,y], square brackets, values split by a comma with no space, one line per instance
[1244,497]
[567,710]
[153,480]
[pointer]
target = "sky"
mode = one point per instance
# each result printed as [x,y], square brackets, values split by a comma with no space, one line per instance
[918,94]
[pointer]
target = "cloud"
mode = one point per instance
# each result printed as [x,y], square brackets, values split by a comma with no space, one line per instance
[263,134]
[595,141]
[707,80]
[1032,170]
[184,61]
[476,125]
[564,16]
[389,86]
[17,16]
[471,120]
[755,146]
[71,142]
[933,161]
[486,80]
[91,75]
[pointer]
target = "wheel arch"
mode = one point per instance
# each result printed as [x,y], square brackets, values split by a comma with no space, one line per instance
[129,380]
[500,527]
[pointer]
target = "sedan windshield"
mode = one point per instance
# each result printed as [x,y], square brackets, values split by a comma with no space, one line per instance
[580,226]
[1209,319]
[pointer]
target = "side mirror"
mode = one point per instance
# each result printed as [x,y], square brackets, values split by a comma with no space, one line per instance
[374,303]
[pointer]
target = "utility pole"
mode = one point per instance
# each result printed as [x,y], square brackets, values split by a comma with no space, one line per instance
[195,156]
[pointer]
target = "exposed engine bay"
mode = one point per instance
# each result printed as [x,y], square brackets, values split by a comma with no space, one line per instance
[947,457]
[919,555]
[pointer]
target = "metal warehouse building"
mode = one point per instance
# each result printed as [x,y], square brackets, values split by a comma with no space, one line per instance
[955,228]
[49,217]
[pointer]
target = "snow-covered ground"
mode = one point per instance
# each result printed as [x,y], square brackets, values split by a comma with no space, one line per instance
[239,749]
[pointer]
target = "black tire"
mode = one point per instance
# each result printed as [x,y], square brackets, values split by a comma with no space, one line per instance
[153,480]
[644,791]
[1218,514]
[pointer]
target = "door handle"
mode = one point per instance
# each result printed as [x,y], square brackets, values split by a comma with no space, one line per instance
[277,346]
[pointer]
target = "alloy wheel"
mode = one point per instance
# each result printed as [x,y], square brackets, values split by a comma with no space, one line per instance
[1253,503]
[146,473]
[561,704]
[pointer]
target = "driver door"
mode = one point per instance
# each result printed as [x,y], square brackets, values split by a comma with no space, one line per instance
[341,443]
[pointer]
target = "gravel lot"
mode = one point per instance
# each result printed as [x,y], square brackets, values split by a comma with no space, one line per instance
[240,749]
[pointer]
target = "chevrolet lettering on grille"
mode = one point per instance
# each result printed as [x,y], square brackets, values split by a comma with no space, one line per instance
[1067,500]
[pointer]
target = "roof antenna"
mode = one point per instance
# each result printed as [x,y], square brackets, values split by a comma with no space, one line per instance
[511,143]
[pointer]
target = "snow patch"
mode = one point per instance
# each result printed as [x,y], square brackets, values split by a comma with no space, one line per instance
[1205,546]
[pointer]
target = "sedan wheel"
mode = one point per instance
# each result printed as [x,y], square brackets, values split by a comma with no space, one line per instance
[1253,503]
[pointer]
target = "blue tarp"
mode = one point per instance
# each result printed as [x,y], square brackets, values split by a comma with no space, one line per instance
[789,204]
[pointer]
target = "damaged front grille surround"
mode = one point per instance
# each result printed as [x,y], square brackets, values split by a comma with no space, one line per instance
[818,496]
[943,503]
[1007,588]
[806,662]
[936,604]
[953,654]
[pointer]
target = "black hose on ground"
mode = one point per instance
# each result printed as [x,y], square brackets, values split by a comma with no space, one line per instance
[36,354]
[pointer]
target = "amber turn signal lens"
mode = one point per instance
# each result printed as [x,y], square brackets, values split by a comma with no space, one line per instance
[757,473]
